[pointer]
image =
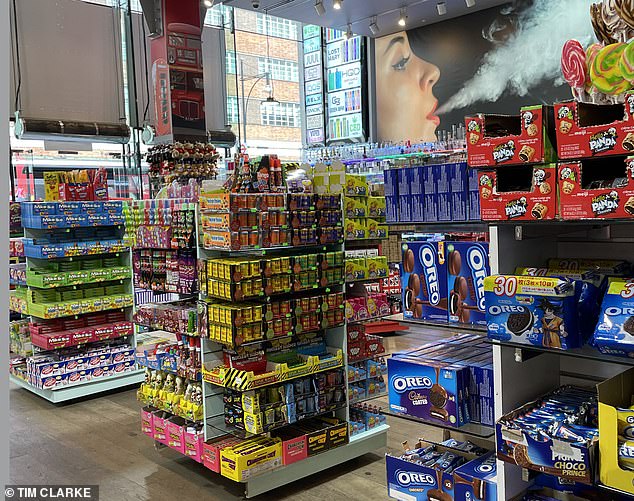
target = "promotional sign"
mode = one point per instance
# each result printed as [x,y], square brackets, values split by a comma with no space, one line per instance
[334,35]
[314,99]
[312,45]
[345,127]
[341,103]
[312,73]
[315,122]
[316,109]
[312,59]
[315,136]
[311,30]
[343,51]
[344,77]
[313,87]
[177,72]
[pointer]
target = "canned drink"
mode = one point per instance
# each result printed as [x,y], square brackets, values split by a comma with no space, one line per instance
[275,309]
[254,238]
[287,325]
[282,218]
[314,303]
[274,236]
[244,238]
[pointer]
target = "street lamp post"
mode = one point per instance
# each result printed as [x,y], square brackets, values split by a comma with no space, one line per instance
[245,102]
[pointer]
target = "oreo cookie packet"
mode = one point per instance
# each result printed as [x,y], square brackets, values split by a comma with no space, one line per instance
[449,470]
[553,312]
[556,434]
[614,333]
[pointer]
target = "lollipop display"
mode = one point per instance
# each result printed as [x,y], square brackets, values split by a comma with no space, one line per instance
[605,71]
[574,68]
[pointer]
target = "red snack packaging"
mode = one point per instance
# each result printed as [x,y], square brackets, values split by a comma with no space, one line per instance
[100,184]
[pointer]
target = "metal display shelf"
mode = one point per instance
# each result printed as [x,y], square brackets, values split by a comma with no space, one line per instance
[473,429]
[524,352]
[360,444]
[280,250]
[398,317]
[369,397]
[66,393]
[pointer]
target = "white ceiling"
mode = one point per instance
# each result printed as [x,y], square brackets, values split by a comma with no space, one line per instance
[360,12]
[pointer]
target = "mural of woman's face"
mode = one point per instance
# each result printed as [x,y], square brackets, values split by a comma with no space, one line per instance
[405,98]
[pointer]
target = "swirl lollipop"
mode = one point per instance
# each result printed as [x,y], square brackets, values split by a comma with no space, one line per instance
[605,71]
[573,67]
[598,24]
[626,63]
[625,10]
[591,90]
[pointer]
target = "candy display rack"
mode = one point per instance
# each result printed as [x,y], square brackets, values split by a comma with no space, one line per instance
[217,378]
[78,292]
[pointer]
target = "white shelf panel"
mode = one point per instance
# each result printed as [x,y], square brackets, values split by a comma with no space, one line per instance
[359,445]
[66,393]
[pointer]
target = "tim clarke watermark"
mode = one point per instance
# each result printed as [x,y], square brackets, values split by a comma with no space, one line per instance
[54,492]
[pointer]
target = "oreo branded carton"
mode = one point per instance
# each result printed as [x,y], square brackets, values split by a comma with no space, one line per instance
[424,278]
[430,390]
[476,480]
[614,333]
[540,311]
[467,266]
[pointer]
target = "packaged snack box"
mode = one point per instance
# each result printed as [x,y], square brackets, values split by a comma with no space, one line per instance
[614,334]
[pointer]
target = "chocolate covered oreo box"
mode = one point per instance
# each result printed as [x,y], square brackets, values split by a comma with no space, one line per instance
[467,266]
[476,480]
[614,333]
[430,390]
[539,311]
[424,279]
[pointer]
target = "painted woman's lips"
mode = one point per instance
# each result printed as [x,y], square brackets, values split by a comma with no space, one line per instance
[434,118]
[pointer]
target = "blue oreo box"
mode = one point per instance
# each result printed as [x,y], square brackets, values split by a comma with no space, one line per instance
[467,267]
[390,178]
[404,179]
[473,197]
[431,197]
[391,209]
[428,390]
[416,181]
[614,333]
[476,480]
[457,176]
[404,208]
[541,311]
[424,281]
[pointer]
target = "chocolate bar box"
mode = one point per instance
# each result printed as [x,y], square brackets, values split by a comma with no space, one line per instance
[539,311]
[614,334]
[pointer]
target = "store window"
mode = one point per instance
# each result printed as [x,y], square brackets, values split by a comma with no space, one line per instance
[281,69]
[232,109]
[280,114]
[276,27]
[231,62]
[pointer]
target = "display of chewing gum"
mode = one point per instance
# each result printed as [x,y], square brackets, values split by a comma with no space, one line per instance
[614,333]
[540,311]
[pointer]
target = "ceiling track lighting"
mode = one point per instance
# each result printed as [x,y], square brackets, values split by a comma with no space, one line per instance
[441,7]
[374,27]
[349,32]
[402,19]
[470,3]
[209,3]
[336,4]
[319,7]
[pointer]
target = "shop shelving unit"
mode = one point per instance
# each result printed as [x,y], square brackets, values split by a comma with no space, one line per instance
[522,372]
[93,386]
[214,425]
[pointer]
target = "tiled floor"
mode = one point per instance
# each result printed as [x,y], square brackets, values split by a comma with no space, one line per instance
[98,441]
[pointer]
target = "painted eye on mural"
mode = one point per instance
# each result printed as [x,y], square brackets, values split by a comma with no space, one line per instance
[400,66]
